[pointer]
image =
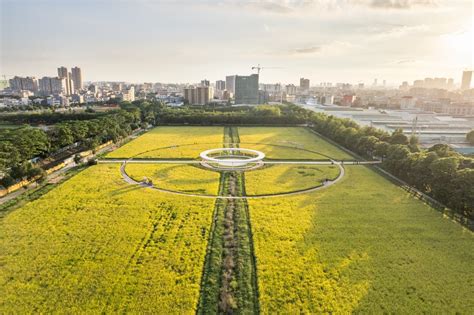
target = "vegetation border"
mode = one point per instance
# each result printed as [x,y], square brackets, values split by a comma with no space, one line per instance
[433,203]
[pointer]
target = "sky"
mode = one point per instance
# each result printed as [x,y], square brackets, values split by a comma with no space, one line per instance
[185,41]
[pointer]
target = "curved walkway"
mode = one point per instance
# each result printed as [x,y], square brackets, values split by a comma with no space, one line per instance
[297,162]
[325,185]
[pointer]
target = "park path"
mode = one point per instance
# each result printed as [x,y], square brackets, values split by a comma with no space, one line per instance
[325,185]
[295,162]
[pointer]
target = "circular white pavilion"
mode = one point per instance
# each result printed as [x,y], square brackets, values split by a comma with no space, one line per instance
[232,158]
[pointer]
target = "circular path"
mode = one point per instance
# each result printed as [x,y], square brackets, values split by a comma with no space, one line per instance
[325,185]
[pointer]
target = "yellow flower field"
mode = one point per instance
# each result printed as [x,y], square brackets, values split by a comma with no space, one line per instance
[179,177]
[283,142]
[363,245]
[161,142]
[286,178]
[96,244]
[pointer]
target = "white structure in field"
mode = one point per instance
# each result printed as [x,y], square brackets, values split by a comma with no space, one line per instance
[232,158]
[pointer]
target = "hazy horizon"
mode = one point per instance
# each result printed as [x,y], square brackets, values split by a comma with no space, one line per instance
[185,41]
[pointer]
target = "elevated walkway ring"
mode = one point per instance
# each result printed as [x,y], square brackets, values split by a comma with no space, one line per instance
[232,159]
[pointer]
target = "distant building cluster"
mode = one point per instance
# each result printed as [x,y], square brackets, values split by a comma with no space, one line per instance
[57,90]
[68,88]
[440,95]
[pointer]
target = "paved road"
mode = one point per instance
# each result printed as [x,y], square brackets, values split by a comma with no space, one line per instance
[32,186]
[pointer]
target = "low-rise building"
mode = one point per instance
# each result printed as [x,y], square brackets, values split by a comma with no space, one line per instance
[408,102]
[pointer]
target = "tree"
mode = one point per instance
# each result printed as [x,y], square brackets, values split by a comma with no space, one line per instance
[77,158]
[21,170]
[462,197]
[381,149]
[398,137]
[6,181]
[396,157]
[443,175]
[470,137]
[442,150]
[413,144]
[63,135]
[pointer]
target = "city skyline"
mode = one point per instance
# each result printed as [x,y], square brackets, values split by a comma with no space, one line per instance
[336,41]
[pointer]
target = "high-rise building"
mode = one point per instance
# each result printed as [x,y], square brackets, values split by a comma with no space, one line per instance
[59,85]
[117,87]
[21,83]
[204,95]
[76,75]
[418,83]
[404,86]
[188,94]
[52,85]
[220,85]
[466,80]
[205,82]
[230,83]
[304,84]
[63,73]
[45,85]
[129,94]
[291,89]
[200,95]
[450,84]
[246,89]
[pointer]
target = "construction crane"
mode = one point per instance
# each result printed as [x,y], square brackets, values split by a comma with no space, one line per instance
[258,67]
[414,125]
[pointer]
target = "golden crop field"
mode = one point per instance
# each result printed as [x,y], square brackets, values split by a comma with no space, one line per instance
[178,177]
[161,142]
[283,142]
[95,244]
[363,245]
[279,178]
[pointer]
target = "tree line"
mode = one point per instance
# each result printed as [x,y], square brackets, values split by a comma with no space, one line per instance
[19,147]
[439,171]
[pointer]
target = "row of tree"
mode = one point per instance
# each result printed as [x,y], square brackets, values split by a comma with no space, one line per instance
[439,171]
[19,147]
